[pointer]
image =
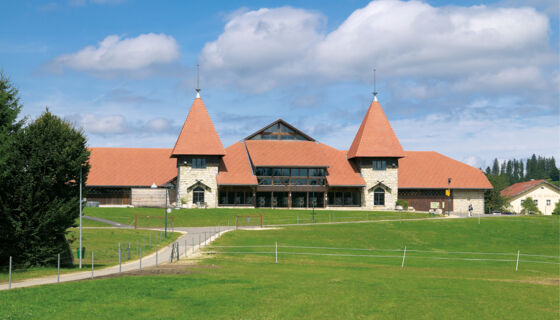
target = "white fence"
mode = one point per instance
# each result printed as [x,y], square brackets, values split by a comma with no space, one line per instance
[401,254]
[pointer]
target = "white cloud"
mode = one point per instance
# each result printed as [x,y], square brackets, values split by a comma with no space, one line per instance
[117,54]
[110,124]
[262,49]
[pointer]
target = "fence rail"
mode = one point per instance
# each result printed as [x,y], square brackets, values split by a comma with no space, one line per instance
[403,253]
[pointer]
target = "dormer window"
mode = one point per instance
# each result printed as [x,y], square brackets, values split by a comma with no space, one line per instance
[199,163]
[379,165]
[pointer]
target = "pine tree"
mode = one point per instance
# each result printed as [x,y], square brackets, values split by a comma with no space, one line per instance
[496,167]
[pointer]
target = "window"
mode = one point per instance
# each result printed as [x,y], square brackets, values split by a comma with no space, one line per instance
[536,202]
[547,202]
[198,195]
[379,165]
[379,197]
[199,163]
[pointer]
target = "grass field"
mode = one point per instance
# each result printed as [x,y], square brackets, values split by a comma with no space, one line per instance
[251,286]
[223,216]
[104,244]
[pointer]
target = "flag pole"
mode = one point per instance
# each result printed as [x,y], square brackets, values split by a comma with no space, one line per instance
[80,252]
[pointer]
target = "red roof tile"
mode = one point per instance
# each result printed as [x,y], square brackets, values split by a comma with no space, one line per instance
[341,172]
[376,137]
[235,168]
[130,167]
[279,153]
[520,187]
[430,170]
[198,136]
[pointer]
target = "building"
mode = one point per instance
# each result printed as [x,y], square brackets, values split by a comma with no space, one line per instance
[544,194]
[279,166]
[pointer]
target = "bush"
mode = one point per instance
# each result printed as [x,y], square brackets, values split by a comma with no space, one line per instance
[529,207]
[556,210]
[402,203]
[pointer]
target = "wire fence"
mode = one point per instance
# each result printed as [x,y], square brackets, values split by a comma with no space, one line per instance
[401,254]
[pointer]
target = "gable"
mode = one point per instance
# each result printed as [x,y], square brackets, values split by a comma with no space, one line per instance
[279,130]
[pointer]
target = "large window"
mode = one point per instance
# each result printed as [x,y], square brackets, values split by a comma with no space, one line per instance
[198,195]
[379,197]
[379,165]
[291,176]
[343,198]
[235,198]
[199,163]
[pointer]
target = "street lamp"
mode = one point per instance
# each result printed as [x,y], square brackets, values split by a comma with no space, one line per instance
[167,210]
[448,195]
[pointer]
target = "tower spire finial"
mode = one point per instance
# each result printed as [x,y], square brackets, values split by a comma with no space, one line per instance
[197,80]
[374,85]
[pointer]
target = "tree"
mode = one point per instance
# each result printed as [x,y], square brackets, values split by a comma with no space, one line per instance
[43,197]
[529,207]
[496,167]
[556,210]
[493,199]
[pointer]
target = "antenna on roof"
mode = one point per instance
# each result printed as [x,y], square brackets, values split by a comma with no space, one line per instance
[197,80]
[374,85]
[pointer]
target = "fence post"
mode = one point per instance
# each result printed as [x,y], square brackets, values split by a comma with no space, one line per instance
[58,269]
[517,263]
[128,251]
[91,265]
[10,275]
[120,260]
[156,254]
[178,249]
[140,260]
[276,251]
[403,257]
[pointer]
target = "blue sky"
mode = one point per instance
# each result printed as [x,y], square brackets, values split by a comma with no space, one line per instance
[472,80]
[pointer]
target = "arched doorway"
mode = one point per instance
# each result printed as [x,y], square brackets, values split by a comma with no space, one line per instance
[198,195]
[379,197]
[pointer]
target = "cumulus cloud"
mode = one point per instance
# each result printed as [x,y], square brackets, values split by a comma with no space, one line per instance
[117,124]
[262,49]
[118,54]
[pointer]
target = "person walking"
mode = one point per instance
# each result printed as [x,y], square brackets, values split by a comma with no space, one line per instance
[470,209]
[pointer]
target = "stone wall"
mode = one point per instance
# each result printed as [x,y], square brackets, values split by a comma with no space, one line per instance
[187,176]
[462,199]
[388,177]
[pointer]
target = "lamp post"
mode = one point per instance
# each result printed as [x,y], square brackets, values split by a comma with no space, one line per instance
[80,253]
[449,195]
[166,210]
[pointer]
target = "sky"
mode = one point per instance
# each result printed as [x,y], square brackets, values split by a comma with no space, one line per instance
[472,80]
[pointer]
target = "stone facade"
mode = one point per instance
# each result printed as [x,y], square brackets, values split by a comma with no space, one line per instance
[462,199]
[189,176]
[389,181]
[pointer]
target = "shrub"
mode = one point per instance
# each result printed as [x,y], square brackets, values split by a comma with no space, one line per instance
[402,203]
[529,207]
[556,210]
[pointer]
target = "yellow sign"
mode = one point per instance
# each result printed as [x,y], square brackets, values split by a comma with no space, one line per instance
[447,192]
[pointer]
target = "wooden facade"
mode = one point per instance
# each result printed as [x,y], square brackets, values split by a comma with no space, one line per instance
[109,196]
[426,199]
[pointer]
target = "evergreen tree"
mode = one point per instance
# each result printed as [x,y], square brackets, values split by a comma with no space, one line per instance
[492,198]
[509,171]
[554,172]
[43,202]
[496,167]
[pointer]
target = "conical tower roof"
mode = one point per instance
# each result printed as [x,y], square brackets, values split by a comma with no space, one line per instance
[198,136]
[376,137]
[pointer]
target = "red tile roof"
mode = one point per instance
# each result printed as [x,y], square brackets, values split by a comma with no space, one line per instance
[198,136]
[130,167]
[430,170]
[376,137]
[235,168]
[291,153]
[520,187]
[341,172]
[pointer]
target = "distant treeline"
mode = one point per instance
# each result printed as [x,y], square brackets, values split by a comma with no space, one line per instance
[517,170]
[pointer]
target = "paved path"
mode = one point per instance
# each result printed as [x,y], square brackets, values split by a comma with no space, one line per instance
[113,223]
[193,238]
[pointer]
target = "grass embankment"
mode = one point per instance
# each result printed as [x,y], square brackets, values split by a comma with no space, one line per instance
[252,286]
[152,217]
[104,244]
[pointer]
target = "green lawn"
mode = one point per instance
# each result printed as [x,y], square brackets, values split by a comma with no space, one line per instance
[224,217]
[252,286]
[104,243]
